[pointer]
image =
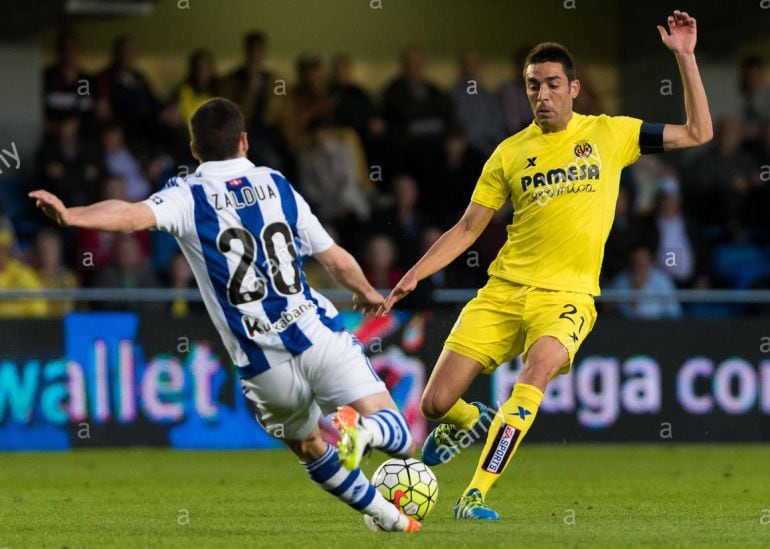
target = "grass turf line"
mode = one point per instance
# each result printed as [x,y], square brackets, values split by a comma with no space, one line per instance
[551,495]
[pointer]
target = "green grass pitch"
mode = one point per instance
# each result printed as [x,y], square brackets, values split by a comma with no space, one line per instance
[551,496]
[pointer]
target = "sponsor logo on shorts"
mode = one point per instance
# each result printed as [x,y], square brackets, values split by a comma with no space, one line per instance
[504,443]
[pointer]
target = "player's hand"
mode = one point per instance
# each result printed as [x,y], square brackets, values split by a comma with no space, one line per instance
[405,286]
[369,302]
[682,33]
[51,206]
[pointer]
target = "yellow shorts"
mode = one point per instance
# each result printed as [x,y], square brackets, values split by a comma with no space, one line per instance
[505,319]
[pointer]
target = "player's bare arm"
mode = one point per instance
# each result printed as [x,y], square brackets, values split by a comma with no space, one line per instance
[109,215]
[345,269]
[446,249]
[680,39]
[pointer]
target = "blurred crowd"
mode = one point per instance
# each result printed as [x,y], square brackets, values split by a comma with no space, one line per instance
[386,173]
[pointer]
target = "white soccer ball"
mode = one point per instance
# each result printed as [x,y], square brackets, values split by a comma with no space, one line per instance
[409,484]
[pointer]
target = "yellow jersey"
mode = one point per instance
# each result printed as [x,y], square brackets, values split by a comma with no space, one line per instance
[17,276]
[563,186]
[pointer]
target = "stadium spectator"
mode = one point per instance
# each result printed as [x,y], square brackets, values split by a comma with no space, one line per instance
[403,222]
[676,235]
[129,270]
[588,101]
[70,165]
[124,94]
[251,85]
[643,276]
[309,100]
[259,94]
[5,223]
[454,179]
[53,274]
[380,265]
[517,114]
[351,105]
[646,176]
[477,109]
[755,92]
[159,168]
[67,89]
[15,275]
[180,277]
[724,187]
[627,229]
[422,297]
[351,113]
[721,189]
[122,163]
[416,113]
[441,278]
[331,180]
[97,250]
[200,83]
[760,184]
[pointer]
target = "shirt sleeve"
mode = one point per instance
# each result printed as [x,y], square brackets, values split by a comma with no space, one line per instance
[312,235]
[625,133]
[174,208]
[492,188]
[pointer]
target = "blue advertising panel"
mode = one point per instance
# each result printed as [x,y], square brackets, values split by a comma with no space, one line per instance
[115,379]
[124,379]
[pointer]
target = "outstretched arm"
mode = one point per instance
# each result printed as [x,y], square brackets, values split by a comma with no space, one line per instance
[680,39]
[446,249]
[345,269]
[109,215]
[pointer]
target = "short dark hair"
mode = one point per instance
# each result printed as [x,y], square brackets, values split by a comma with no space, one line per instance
[65,35]
[254,38]
[751,62]
[554,52]
[216,127]
[120,42]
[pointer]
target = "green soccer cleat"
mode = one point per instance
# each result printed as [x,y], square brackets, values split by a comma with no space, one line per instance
[354,438]
[472,506]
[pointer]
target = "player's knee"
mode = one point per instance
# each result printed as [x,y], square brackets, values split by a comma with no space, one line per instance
[544,360]
[541,369]
[432,407]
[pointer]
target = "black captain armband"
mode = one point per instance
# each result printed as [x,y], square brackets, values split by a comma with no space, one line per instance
[651,138]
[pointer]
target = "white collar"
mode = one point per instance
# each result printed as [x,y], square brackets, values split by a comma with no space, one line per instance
[224,166]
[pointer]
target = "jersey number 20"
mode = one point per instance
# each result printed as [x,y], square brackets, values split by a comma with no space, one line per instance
[281,262]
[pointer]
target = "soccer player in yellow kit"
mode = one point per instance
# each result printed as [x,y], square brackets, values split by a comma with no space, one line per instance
[562,175]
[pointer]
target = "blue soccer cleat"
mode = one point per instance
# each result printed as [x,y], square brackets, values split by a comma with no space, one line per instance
[446,441]
[472,506]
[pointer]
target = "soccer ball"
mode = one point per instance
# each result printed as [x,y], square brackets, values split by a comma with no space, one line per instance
[409,484]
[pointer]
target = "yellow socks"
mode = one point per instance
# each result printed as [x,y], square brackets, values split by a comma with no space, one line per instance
[462,415]
[510,425]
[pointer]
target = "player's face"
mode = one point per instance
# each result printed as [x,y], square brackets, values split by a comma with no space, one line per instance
[550,95]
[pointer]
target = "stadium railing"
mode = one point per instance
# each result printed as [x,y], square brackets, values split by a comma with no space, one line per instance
[459,295]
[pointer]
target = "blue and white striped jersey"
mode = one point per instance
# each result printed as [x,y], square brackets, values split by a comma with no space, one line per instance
[244,231]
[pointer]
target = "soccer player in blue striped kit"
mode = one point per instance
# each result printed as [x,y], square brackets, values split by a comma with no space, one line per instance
[244,230]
